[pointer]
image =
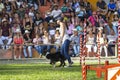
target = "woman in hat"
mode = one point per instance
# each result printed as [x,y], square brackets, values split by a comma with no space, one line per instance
[101,38]
[28,46]
[90,42]
[18,42]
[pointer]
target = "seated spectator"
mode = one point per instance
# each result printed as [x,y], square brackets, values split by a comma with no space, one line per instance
[46,41]
[18,42]
[36,41]
[1,6]
[27,23]
[39,29]
[51,28]
[115,23]
[111,7]
[101,38]
[27,46]
[101,6]
[88,7]
[57,39]
[8,7]
[56,12]
[80,12]
[90,42]
[80,27]
[118,7]
[5,34]
[75,41]
[112,39]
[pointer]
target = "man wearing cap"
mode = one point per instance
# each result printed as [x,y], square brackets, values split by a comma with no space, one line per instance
[75,40]
[5,34]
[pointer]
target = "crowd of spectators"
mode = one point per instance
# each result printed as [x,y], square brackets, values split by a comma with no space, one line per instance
[22,23]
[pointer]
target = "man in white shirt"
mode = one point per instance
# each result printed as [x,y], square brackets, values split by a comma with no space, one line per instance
[56,13]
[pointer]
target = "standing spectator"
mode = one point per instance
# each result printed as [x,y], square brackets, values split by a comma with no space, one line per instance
[38,40]
[94,21]
[18,42]
[27,46]
[5,34]
[65,42]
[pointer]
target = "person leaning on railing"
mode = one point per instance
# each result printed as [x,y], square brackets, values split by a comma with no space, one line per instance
[18,42]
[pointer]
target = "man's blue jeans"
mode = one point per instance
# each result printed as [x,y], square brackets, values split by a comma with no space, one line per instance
[65,50]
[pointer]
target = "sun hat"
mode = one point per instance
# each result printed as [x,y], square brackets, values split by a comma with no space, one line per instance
[26,31]
[18,30]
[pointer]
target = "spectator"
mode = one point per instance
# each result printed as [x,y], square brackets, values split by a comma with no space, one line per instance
[27,23]
[75,40]
[88,7]
[101,6]
[115,23]
[56,12]
[8,7]
[5,34]
[27,46]
[46,42]
[18,42]
[101,38]
[112,39]
[94,21]
[118,7]
[37,40]
[90,42]
[111,7]
[51,28]
[57,39]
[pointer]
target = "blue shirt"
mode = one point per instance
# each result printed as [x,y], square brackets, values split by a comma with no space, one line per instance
[112,6]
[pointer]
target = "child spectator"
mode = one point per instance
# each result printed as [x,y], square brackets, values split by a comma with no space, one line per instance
[37,40]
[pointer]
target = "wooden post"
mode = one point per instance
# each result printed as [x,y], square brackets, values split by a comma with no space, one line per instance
[83,55]
[119,41]
[81,46]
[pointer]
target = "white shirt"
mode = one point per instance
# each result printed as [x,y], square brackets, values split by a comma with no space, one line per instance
[56,13]
[111,39]
[65,36]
